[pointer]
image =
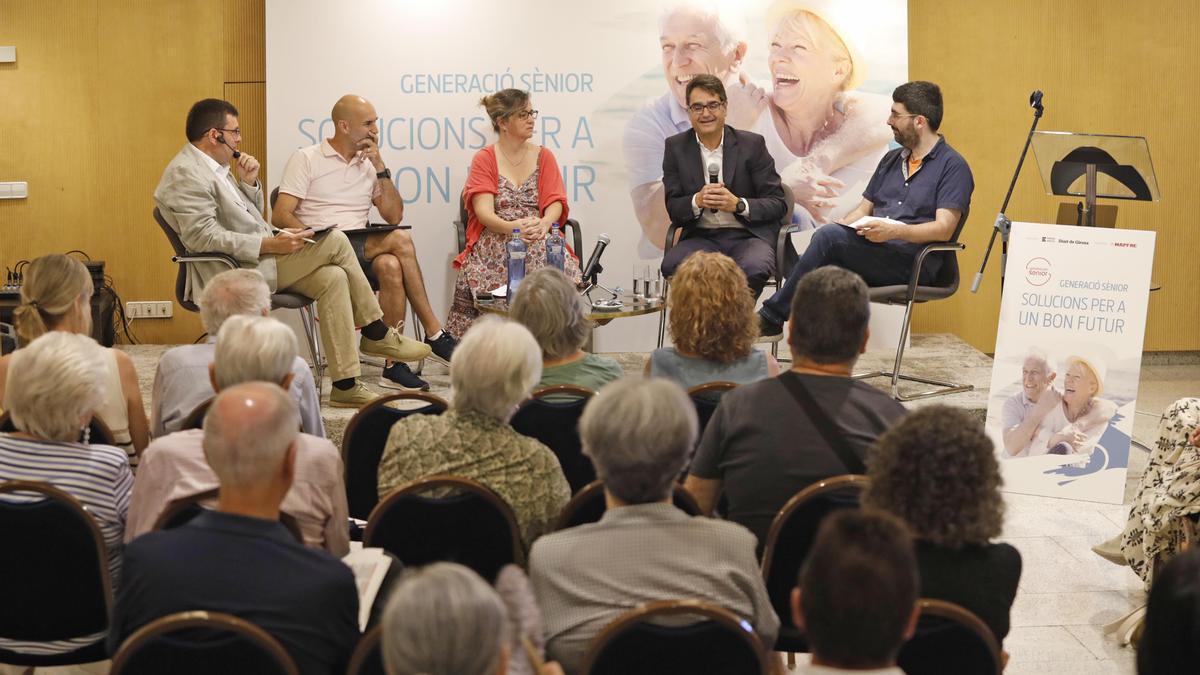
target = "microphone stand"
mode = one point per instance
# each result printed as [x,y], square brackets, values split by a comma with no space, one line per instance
[1003,226]
[593,283]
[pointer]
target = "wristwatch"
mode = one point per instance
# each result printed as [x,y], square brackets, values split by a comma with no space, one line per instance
[741,206]
[386,173]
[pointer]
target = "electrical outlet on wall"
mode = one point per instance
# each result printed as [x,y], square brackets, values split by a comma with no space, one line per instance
[160,309]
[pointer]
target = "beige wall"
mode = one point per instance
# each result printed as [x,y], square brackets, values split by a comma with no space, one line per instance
[94,108]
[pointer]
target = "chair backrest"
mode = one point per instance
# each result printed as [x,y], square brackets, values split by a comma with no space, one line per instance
[181,274]
[53,566]
[367,658]
[706,397]
[181,511]
[795,528]
[463,521]
[555,422]
[195,419]
[98,431]
[948,275]
[460,227]
[196,642]
[364,440]
[716,642]
[588,505]
[950,639]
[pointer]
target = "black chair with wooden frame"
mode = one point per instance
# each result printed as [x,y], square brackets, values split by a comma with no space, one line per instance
[279,299]
[785,257]
[588,505]
[199,642]
[367,658]
[950,639]
[718,643]
[363,443]
[706,397]
[98,431]
[53,574]
[463,522]
[791,537]
[551,415]
[944,285]
[181,511]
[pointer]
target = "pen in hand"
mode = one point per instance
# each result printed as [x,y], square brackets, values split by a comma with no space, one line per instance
[311,241]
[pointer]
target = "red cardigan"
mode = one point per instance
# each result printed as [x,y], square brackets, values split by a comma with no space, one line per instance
[484,178]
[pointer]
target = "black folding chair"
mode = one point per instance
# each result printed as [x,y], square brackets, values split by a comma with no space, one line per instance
[462,522]
[198,643]
[53,574]
[181,511]
[588,505]
[950,639]
[706,397]
[791,537]
[364,440]
[555,422]
[716,643]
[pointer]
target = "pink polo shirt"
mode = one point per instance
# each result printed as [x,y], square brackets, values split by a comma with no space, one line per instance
[331,190]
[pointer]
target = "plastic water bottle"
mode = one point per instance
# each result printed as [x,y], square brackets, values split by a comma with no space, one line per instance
[516,262]
[556,249]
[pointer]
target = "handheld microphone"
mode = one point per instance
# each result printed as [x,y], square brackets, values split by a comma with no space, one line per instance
[713,170]
[221,138]
[1035,102]
[593,265]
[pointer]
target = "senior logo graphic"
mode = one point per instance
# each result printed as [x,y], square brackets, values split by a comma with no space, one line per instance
[1037,271]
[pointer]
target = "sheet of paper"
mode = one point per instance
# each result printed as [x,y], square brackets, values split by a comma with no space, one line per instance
[370,567]
[866,219]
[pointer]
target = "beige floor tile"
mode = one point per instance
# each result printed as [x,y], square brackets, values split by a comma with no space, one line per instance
[1065,609]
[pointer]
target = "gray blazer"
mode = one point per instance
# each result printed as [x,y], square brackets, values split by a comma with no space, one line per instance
[209,220]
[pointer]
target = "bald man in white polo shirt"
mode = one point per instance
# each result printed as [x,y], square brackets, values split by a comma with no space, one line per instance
[334,183]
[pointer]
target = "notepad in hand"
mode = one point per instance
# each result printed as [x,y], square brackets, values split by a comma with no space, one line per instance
[867,219]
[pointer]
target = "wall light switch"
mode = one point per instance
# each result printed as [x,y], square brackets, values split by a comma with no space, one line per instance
[14,190]
[8,54]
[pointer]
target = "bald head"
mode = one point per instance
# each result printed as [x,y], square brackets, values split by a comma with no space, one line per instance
[351,106]
[247,434]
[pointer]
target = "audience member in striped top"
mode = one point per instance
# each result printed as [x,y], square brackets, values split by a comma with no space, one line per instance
[55,384]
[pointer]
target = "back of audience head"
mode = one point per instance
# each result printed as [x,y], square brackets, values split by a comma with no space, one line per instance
[857,596]
[253,348]
[55,384]
[233,293]
[640,434]
[832,309]
[249,437]
[1170,643]
[56,294]
[443,619]
[712,312]
[937,470]
[494,368]
[551,308]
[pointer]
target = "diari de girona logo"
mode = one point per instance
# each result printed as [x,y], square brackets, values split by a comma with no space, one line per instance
[1037,271]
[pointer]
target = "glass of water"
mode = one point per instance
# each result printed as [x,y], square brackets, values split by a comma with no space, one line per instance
[639,279]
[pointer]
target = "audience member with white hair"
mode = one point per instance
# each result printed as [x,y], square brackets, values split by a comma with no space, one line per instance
[239,558]
[56,383]
[57,296]
[639,434]
[248,349]
[443,619]
[552,309]
[181,381]
[494,368]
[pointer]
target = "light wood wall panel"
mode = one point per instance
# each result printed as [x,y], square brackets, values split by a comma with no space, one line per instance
[244,41]
[1105,67]
[251,101]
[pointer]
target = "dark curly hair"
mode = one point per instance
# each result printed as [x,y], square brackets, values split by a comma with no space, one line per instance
[937,471]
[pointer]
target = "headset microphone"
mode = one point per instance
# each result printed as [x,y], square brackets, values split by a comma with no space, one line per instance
[221,139]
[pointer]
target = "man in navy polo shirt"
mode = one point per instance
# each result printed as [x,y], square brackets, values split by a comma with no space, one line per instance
[924,184]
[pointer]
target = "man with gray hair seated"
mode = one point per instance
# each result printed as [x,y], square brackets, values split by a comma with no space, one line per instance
[769,440]
[248,349]
[639,434]
[181,381]
[239,559]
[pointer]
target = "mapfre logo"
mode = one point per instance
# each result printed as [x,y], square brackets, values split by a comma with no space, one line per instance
[1037,272]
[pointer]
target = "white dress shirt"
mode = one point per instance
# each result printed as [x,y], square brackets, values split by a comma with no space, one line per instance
[708,218]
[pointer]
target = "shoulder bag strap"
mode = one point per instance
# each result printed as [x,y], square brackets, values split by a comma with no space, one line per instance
[825,426]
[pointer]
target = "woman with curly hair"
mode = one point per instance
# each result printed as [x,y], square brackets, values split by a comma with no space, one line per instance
[713,326]
[937,471]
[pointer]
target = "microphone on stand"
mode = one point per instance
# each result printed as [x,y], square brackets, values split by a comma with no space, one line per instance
[713,170]
[593,267]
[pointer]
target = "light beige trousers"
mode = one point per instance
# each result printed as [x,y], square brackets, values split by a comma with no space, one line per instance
[328,272]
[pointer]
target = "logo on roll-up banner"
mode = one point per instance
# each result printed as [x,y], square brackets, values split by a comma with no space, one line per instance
[1037,271]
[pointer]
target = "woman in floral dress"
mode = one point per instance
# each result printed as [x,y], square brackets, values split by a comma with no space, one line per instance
[512,185]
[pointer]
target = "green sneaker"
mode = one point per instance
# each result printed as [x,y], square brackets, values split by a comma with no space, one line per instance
[354,397]
[395,347]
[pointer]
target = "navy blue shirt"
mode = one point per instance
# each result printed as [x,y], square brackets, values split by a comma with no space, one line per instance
[944,181]
[251,568]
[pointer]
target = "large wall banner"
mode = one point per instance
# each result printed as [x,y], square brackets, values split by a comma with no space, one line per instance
[1068,354]
[608,78]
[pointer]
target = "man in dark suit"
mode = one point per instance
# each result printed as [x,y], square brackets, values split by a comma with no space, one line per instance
[738,214]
